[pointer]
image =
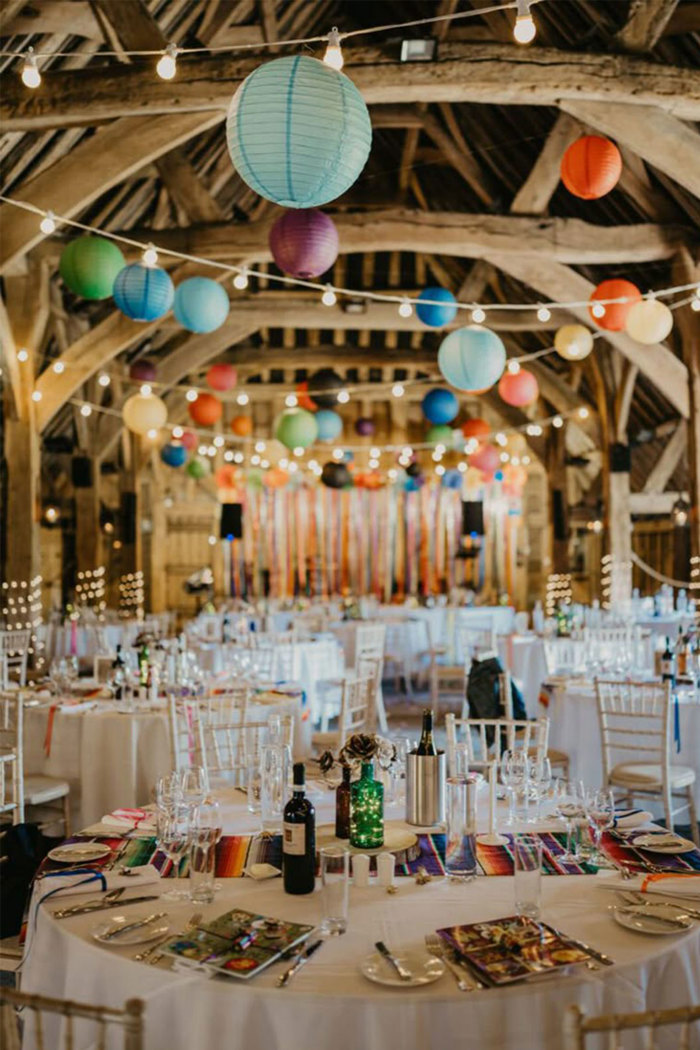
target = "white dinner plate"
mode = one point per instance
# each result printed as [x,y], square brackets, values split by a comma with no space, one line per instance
[663,843]
[642,921]
[79,852]
[157,928]
[425,969]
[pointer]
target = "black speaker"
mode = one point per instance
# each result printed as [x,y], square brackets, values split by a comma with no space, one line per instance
[81,472]
[472,518]
[231,527]
[128,515]
[559,515]
[620,458]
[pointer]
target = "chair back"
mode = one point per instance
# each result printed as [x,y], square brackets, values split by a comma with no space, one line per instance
[370,639]
[474,638]
[486,738]
[357,702]
[564,655]
[635,722]
[59,1024]
[229,750]
[577,1027]
[14,650]
[11,757]
[185,737]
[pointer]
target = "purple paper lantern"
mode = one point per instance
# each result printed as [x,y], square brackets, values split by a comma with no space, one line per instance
[142,371]
[364,427]
[304,243]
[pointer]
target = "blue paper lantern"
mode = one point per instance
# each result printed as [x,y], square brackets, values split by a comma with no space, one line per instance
[298,132]
[329,424]
[143,293]
[472,358]
[174,455]
[440,406]
[201,305]
[451,479]
[436,314]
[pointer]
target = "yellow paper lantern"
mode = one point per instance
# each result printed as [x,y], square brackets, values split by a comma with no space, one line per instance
[144,412]
[573,342]
[649,321]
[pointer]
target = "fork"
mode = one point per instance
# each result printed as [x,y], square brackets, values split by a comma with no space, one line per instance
[96,904]
[436,947]
[152,955]
[637,899]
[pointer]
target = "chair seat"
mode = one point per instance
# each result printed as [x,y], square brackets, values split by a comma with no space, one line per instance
[629,774]
[39,789]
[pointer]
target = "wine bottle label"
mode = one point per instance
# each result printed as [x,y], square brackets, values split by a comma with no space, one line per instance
[294,841]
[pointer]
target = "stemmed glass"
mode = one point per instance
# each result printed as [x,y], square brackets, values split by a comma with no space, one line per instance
[194,785]
[168,791]
[515,768]
[570,807]
[173,839]
[540,782]
[71,669]
[57,676]
[600,808]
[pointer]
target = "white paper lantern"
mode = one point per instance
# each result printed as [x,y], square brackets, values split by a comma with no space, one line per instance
[144,412]
[573,342]
[649,321]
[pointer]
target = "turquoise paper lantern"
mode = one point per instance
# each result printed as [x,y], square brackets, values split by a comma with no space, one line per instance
[201,305]
[440,406]
[143,293]
[439,309]
[174,455]
[472,358]
[329,423]
[440,434]
[298,132]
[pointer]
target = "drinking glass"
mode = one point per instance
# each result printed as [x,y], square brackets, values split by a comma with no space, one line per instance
[173,839]
[335,879]
[601,814]
[71,668]
[527,869]
[508,783]
[274,772]
[515,771]
[57,676]
[194,784]
[168,790]
[254,784]
[205,832]
[460,838]
[461,759]
[540,780]
[570,807]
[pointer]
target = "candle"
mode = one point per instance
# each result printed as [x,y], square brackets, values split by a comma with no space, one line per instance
[385,869]
[360,869]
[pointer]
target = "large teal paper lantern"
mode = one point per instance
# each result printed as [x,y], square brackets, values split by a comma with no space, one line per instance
[298,132]
[436,307]
[296,428]
[472,358]
[329,423]
[143,293]
[201,305]
[89,266]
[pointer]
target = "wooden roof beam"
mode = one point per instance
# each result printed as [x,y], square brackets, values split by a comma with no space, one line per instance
[669,459]
[645,24]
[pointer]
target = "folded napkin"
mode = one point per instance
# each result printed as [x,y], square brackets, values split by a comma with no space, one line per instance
[130,820]
[632,818]
[72,707]
[69,882]
[668,884]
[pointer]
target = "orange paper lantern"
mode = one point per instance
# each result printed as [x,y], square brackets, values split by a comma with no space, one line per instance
[242,426]
[518,388]
[591,167]
[225,477]
[303,399]
[615,316]
[475,428]
[206,410]
[275,478]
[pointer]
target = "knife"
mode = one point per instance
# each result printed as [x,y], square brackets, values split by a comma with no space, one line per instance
[642,913]
[598,956]
[302,958]
[401,970]
[133,925]
[82,910]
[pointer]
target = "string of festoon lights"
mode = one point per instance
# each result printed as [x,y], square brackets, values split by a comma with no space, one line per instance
[524,32]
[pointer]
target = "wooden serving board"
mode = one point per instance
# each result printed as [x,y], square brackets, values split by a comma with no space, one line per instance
[398,839]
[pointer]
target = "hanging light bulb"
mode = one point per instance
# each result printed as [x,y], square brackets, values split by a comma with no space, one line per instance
[31,77]
[405,308]
[329,298]
[524,29]
[177,433]
[514,367]
[23,355]
[240,281]
[334,55]
[145,390]
[85,410]
[59,367]
[343,397]
[337,453]
[218,441]
[167,63]
[242,399]
[291,400]
[36,395]
[191,395]
[478,315]
[150,256]
[103,379]
[397,390]
[695,302]
[48,224]
[598,310]
[544,313]
[557,422]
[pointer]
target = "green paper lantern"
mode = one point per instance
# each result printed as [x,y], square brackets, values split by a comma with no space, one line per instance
[440,434]
[296,428]
[89,265]
[198,468]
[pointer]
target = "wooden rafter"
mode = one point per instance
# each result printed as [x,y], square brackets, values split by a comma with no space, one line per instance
[661,472]
[645,24]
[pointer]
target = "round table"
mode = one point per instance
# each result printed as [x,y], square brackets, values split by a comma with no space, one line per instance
[330,1005]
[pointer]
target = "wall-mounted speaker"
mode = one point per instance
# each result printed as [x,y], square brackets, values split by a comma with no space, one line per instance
[81,472]
[472,518]
[620,461]
[231,527]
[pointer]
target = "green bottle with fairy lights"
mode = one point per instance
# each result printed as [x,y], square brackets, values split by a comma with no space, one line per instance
[367,810]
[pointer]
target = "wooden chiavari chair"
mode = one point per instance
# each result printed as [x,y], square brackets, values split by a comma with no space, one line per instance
[50,1033]
[577,1026]
[486,738]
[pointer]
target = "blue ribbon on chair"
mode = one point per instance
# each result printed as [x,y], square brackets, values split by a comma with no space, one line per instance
[676,722]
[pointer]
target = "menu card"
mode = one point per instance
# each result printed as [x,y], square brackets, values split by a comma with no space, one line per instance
[239,943]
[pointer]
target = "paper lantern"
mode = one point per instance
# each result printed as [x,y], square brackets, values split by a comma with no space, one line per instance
[324,386]
[222,377]
[225,477]
[254,478]
[303,399]
[144,412]
[615,316]
[336,475]
[276,478]
[329,423]
[573,342]
[451,479]
[518,388]
[486,459]
[201,305]
[143,293]
[364,427]
[440,434]
[591,167]
[174,455]
[475,428]
[189,440]
[304,243]
[414,470]
[440,406]
[441,311]
[242,426]
[142,371]
[515,475]
[296,428]
[472,358]
[414,483]
[649,321]
[206,410]
[89,266]
[198,468]
[298,132]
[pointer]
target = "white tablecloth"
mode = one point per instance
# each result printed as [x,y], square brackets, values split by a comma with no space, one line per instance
[574,728]
[330,1006]
[57,638]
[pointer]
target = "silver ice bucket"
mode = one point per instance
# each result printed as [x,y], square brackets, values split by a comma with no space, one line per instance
[425,789]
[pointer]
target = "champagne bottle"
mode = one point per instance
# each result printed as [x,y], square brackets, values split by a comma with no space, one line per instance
[342,806]
[668,664]
[426,745]
[299,839]
[143,665]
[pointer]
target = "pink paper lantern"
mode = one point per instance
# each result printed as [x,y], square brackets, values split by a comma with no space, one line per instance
[518,388]
[304,243]
[486,459]
[189,440]
[222,377]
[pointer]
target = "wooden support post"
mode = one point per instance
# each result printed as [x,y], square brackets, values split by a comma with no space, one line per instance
[89,550]
[22,460]
[686,270]
[558,501]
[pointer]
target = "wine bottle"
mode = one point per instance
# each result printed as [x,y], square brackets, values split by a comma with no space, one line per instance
[144,657]
[299,839]
[342,806]
[668,664]
[426,745]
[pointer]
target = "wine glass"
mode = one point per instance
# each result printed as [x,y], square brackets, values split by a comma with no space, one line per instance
[72,669]
[57,676]
[570,807]
[600,808]
[540,780]
[194,784]
[168,790]
[173,839]
[515,769]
